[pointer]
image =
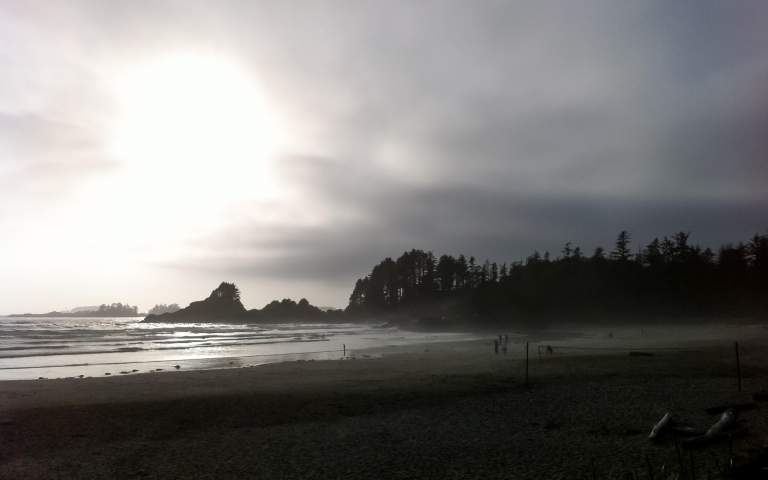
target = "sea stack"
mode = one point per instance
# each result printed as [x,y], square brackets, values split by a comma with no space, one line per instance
[223,304]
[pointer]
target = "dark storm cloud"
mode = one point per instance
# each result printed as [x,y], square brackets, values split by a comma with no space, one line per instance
[544,96]
[466,219]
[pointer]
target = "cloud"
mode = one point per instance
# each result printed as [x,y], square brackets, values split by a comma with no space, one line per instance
[491,129]
[42,164]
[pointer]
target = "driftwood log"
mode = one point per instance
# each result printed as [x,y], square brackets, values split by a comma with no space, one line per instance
[656,430]
[726,421]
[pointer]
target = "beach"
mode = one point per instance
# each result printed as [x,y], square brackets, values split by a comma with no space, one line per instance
[435,411]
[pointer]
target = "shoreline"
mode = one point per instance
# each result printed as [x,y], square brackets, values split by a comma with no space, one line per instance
[125,347]
[251,361]
[595,340]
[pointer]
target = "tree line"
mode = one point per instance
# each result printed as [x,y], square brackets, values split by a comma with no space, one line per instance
[116,309]
[669,275]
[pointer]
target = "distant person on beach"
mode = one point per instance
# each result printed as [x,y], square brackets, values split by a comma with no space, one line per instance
[495,346]
[549,350]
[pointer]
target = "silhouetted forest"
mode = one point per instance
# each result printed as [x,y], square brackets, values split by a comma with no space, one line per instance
[668,276]
[117,309]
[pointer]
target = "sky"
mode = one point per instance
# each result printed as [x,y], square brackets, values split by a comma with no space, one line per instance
[152,149]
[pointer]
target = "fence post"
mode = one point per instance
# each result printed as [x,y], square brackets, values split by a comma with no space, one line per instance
[738,363]
[526,363]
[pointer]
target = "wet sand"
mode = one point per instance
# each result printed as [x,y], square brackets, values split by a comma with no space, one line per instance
[438,411]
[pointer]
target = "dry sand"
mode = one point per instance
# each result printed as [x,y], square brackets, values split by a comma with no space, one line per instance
[440,411]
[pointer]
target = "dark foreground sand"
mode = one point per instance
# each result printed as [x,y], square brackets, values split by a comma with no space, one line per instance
[437,414]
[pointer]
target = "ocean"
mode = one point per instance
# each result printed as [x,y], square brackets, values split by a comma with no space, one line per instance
[51,347]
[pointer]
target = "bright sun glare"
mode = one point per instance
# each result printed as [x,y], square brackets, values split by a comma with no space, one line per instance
[196,121]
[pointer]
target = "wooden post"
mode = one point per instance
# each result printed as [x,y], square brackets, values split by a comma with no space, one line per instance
[738,363]
[730,451]
[650,468]
[679,455]
[526,363]
[693,467]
